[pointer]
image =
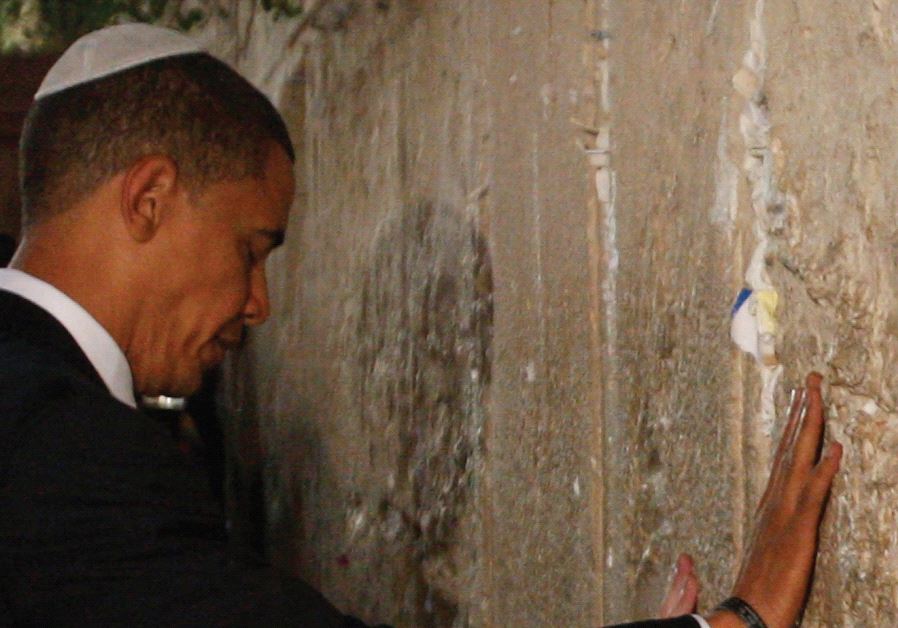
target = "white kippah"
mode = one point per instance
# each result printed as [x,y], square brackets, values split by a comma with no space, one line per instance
[113,49]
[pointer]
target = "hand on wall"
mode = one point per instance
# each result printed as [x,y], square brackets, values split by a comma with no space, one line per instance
[776,572]
[682,596]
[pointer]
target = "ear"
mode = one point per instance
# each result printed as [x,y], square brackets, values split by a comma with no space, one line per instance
[148,192]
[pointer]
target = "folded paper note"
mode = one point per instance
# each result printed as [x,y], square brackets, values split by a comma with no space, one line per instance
[753,326]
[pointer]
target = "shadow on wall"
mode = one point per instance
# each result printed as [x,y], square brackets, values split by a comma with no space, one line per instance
[402,521]
[244,493]
[417,351]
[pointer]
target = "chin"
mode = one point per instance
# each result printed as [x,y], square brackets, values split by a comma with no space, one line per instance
[181,385]
[187,387]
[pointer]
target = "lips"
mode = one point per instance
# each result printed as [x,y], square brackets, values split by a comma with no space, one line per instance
[215,350]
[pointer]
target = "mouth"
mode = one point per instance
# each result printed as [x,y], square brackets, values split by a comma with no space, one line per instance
[218,348]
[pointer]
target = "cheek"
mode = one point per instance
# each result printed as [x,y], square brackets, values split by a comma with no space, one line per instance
[235,291]
[211,293]
[224,300]
[222,281]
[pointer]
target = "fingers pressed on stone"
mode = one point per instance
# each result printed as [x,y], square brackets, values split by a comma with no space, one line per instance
[680,587]
[813,380]
[797,400]
[788,527]
[800,416]
[783,450]
[679,580]
[824,472]
[685,563]
[689,598]
[811,431]
[677,583]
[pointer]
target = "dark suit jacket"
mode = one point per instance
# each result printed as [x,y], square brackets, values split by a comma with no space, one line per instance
[103,521]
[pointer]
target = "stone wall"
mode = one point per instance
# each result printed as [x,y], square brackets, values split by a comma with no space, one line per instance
[498,387]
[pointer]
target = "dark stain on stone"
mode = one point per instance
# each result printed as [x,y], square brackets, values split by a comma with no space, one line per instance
[419,340]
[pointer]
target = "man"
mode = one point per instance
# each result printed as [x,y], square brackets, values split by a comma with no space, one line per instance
[155,182]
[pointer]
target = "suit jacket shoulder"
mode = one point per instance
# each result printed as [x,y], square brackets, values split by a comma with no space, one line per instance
[103,520]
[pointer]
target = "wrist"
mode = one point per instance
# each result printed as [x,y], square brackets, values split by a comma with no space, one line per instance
[724,619]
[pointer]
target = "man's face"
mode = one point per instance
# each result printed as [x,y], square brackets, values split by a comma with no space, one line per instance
[209,279]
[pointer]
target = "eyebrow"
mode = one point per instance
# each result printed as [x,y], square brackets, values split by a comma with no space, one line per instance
[275,235]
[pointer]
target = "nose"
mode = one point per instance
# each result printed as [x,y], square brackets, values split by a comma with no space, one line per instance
[258,307]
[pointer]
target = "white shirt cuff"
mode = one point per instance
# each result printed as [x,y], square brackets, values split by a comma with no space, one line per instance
[701,621]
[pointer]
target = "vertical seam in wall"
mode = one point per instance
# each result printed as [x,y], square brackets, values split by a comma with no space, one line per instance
[487,558]
[481,577]
[730,430]
[596,454]
[754,125]
[536,209]
[737,449]
[608,262]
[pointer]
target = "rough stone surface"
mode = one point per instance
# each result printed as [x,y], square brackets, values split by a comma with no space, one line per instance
[498,387]
[417,347]
[672,415]
[798,99]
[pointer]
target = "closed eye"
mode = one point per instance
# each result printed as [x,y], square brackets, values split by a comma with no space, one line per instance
[263,242]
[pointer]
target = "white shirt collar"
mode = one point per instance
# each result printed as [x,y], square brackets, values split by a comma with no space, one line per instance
[96,343]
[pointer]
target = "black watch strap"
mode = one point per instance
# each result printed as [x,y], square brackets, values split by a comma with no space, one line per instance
[743,610]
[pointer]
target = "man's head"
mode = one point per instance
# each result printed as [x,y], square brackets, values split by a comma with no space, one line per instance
[191,107]
[153,195]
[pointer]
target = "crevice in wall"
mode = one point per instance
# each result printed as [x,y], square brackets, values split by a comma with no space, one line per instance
[769,205]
